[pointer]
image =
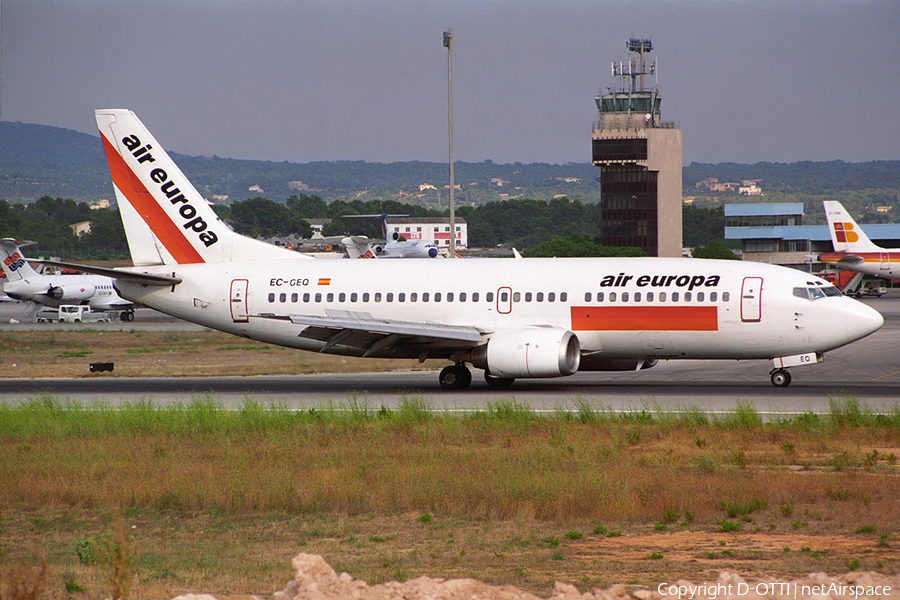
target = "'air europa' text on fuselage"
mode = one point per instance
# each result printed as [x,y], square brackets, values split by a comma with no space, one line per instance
[688,281]
[187,211]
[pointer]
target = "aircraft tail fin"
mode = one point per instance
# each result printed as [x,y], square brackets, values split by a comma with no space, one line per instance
[166,219]
[14,264]
[846,235]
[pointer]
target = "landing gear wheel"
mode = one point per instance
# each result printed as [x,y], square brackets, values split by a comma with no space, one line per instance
[455,377]
[781,378]
[497,382]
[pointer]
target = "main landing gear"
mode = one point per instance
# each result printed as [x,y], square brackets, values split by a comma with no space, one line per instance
[459,377]
[455,377]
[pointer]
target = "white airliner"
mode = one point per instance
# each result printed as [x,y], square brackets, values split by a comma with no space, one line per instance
[854,250]
[514,318]
[26,284]
[360,246]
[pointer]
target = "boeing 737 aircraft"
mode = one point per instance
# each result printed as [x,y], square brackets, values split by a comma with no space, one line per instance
[24,283]
[513,318]
[854,250]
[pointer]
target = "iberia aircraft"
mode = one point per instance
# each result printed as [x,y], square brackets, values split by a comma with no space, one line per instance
[26,284]
[513,318]
[854,250]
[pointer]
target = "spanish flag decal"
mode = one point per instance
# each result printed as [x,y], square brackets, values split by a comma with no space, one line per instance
[324,280]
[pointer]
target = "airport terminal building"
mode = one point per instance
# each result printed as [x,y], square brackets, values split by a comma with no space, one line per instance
[775,234]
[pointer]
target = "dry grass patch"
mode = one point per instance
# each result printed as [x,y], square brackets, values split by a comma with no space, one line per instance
[138,353]
[217,500]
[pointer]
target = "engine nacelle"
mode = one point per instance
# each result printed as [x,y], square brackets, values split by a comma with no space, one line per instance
[72,292]
[537,352]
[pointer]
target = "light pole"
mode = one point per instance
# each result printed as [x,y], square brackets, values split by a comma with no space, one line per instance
[448,38]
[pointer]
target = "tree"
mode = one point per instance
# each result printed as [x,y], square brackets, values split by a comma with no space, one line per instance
[714,249]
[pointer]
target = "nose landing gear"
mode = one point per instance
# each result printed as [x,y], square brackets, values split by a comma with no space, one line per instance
[780,377]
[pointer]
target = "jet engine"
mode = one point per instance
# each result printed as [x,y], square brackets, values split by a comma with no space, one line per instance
[538,352]
[71,292]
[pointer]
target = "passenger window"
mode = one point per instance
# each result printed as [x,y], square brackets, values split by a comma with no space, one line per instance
[425,296]
[726,296]
[587,296]
[687,296]
[701,296]
[637,296]
[390,297]
[377,296]
[551,297]
[413,296]
[563,296]
[365,296]
[282,297]
[449,296]
[271,297]
[294,297]
[342,297]
[674,296]
[318,297]
[462,297]
[612,296]
[649,296]
[437,296]
[624,296]
[599,296]
[713,296]
[474,296]
[662,296]
[489,297]
[504,296]
[354,297]
[306,297]
[528,296]
[401,297]
[517,296]
[539,297]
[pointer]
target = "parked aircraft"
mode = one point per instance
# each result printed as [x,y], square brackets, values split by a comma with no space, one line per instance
[854,250]
[26,284]
[391,246]
[513,318]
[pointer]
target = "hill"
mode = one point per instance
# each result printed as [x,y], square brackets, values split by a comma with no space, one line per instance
[38,160]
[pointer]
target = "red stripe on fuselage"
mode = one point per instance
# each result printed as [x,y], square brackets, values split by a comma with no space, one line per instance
[645,318]
[171,236]
[869,257]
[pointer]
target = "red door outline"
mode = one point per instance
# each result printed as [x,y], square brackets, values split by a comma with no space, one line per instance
[239,313]
[504,307]
[751,299]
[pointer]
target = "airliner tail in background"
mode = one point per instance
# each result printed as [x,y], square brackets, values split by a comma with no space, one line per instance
[853,250]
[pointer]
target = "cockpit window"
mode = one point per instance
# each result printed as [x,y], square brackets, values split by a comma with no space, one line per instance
[816,291]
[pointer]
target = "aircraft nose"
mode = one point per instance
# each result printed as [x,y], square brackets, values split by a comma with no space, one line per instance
[863,320]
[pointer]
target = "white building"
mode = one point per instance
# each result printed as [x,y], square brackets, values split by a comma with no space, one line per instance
[431,229]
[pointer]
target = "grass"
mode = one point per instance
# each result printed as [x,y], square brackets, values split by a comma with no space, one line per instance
[137,353]
[191,496]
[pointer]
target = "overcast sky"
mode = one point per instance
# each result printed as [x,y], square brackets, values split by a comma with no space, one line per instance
[306,80]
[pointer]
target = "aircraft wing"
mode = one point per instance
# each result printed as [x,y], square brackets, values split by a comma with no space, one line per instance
[851,259]
[362,330]
[133,276]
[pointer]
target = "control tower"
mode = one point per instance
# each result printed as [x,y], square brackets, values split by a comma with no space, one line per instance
[639,156]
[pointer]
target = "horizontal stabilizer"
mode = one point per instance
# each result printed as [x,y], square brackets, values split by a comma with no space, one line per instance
[134,277]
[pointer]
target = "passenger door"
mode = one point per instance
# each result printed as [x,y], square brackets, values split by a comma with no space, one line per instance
[239,301]
[751,299]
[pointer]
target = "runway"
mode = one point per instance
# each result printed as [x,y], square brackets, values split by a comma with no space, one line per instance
[867,371]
